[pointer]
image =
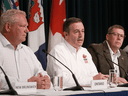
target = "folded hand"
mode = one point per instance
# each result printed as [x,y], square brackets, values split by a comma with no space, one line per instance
[43,82]
[100,76]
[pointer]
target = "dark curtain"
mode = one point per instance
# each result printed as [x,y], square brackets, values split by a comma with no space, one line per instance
[97,16]
[0,6]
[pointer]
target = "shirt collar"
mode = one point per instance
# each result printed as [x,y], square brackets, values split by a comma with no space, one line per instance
[111,52]
[5,42]
[70,47]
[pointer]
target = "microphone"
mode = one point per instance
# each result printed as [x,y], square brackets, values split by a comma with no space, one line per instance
[120,85]
[77,87]
[10,91]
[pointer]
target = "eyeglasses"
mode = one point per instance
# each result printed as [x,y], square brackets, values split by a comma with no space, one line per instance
[117,34]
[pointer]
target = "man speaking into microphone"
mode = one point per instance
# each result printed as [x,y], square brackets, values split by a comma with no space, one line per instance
[75,57]
[104,54]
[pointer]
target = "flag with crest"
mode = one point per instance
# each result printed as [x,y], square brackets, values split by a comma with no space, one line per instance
[58,16]
[36,36]
[9,4]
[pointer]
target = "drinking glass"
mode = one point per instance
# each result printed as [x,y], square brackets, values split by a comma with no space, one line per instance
[58,81]
[112,78]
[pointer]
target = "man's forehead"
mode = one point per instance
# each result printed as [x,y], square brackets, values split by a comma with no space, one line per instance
[117,30]
[77,25]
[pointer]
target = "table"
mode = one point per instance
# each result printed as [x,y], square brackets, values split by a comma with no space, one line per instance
[118,91]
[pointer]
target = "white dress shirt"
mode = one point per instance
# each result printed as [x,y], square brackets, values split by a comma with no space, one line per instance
[19,64]
[83,68]
[114,58]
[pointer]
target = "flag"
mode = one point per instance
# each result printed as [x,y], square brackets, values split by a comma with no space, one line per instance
[36,36]
[9,4]
[58,16]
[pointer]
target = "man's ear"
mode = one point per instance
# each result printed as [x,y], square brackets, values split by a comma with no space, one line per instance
[107,37]
[7,27]
[65,33]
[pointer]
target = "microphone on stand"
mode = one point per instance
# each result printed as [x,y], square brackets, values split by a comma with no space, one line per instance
[120,85]
[10,91]
[77,87]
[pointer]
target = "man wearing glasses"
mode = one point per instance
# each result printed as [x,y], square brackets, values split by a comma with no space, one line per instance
[109,51]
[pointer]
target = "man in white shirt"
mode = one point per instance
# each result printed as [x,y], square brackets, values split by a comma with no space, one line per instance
[17,60]
[75,57]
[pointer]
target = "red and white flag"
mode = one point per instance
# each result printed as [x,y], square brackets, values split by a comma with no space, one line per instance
[58,16]
[36,36]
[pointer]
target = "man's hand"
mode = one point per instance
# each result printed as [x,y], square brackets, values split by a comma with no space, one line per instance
[33,79]
[121,80]
[100,76]
[43,82]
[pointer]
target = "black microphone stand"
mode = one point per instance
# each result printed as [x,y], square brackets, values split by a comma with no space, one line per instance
[10,91]
[120,85]
[77,87]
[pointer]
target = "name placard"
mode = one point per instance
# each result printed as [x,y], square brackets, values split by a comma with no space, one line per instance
[22,87]
[99,84]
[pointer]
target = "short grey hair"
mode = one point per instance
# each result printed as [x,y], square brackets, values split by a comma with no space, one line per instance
[10,16]
[110,29]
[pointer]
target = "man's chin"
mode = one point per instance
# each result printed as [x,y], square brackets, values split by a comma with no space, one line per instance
[118,47]
[23,40]
[79,45]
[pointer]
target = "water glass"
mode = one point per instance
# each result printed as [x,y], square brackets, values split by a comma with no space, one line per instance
[58,81]
[112,78]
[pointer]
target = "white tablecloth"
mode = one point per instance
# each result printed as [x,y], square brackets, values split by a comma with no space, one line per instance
[51,92]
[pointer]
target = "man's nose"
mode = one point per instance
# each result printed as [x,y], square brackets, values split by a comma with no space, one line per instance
[27,30]
[80,33]
[119,36]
